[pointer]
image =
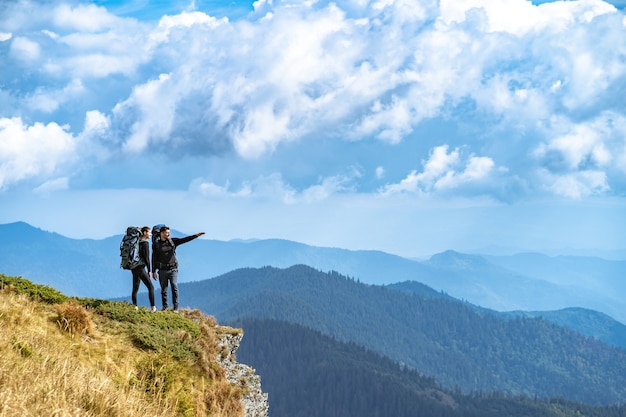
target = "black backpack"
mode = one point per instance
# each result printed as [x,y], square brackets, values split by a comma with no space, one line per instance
[156,231]
[129,249]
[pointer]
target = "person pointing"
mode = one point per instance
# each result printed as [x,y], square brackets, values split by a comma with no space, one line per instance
[164,261]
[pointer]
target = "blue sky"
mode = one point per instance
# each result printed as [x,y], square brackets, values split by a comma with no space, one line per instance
[405,126]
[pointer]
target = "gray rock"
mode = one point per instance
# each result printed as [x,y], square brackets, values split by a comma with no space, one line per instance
[254,400]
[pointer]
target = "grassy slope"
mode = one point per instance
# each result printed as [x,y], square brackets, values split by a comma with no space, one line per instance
[86,357]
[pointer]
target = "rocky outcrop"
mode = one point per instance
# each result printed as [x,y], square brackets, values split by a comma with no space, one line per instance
[254,400]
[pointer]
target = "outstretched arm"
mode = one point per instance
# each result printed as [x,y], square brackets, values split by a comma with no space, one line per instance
[180,240]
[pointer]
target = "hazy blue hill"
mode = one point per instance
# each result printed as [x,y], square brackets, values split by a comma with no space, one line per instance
[443,338]
[308,374]
[81,267]
[589,322]
[531,281]
[372,267]
[585,321]
[591,273]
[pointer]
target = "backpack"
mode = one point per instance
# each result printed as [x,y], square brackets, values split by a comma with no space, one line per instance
[156,231]
[129,248]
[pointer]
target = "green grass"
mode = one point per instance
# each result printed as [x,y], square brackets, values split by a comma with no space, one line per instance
[91,357]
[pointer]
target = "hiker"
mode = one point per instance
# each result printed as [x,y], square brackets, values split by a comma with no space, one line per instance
[164,260]
[139,272]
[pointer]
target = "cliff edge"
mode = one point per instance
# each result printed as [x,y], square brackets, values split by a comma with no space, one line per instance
[254,399]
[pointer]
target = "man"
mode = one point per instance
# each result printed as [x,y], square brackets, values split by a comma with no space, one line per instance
[164,260]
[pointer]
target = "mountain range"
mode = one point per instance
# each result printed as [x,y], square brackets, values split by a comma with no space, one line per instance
[455,343]
[528,281]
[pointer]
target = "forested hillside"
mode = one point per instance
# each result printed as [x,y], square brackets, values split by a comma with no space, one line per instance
[307,374]
[447,339]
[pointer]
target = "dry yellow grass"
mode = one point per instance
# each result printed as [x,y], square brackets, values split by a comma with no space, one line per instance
[65,360]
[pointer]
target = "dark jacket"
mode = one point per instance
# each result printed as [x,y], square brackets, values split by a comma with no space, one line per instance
[144,253]
[164,252]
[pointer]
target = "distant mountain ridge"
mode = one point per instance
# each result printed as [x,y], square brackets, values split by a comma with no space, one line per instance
[88,267]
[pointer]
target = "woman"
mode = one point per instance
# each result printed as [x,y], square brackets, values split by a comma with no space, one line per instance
[139,273]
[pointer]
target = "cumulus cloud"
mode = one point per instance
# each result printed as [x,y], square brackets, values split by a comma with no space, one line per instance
[192,85]
[576,185]
[580,159]
[444,171]
[32,151]
[24,49]
[47,101]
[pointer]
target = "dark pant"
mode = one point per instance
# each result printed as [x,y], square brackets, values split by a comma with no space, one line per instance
[169,276]
[141,275]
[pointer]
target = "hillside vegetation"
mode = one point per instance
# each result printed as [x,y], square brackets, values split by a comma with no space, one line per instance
[67,356]
[307,374]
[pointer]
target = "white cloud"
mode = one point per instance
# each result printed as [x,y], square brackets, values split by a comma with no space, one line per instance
[262,129]
[154,104]
[83,18]
[275,189]
[210,189]
[584,159]
[328,187]
[57,184]
[25,49]
[519,17]
[444,171]
[48,101]
[96,122]
[184,20]
[193,85]
[576,185]
[32,151]
[597,145]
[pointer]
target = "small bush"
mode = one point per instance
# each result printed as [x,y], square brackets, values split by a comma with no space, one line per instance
[74,319]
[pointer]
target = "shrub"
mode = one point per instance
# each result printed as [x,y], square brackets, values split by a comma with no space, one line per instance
[74,319]
[34,291]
